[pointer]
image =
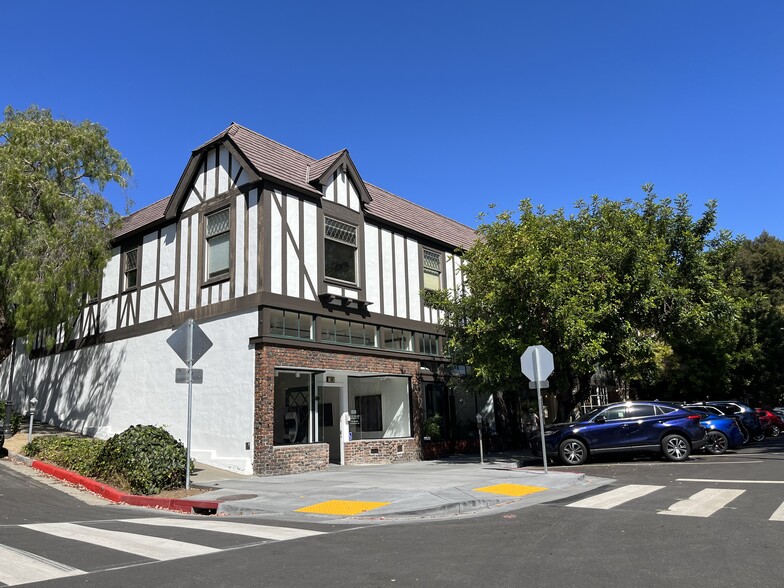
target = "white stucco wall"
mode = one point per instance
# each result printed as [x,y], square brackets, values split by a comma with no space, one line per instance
[102,390]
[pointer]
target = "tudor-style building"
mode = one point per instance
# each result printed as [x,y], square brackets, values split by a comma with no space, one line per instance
[309,283]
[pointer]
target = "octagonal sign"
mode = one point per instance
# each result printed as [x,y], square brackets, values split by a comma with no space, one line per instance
[536,354]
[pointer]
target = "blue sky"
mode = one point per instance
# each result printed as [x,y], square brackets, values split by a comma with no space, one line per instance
[453,105]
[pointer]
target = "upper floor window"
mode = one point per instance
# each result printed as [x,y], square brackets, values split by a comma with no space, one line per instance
[130,269]
[287,323]
[217,235]
[340,251]
[431,270]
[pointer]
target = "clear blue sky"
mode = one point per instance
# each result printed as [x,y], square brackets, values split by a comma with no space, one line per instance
[453,105]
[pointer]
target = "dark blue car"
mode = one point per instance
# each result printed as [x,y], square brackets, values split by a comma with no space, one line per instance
[636,426]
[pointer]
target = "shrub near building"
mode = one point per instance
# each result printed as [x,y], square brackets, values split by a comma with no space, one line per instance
[143,459]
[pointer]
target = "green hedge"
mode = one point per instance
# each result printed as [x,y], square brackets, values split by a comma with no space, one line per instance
[143,459]
[77,454]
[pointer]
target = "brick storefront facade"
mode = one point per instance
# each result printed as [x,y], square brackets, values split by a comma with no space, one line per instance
[271,460]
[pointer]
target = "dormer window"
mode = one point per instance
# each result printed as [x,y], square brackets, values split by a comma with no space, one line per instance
[217,235]
[340,251]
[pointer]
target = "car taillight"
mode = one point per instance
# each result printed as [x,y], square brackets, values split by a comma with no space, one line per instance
[694,416]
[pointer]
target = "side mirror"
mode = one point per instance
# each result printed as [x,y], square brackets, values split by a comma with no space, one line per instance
[600,419]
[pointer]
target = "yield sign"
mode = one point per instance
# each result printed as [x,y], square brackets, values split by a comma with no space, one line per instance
[536,363]
[179,342]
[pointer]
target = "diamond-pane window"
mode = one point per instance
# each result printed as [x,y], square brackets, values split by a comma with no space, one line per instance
[334,229]
[431,274]
[131,258]
[218,251]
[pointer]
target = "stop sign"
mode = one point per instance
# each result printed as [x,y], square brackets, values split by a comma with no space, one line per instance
[536,362]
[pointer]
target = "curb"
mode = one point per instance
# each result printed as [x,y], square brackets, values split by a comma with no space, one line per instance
[183,505]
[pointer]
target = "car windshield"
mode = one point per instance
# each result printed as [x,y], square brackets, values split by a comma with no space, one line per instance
[589,415]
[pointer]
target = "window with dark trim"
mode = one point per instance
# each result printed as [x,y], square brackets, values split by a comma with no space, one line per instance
[431,269]
[428,343]
[287,323]
[396,339]
[130,268]
[340,251]
[217,232]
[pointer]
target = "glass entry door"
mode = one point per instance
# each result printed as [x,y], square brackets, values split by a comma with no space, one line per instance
[326,411]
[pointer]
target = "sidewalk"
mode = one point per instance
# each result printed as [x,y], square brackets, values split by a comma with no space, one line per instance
[422,489]
[458,485]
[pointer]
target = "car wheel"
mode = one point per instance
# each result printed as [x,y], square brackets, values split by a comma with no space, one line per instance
[775,431]
[745,432]
[717,443]
[676,447]
[758,438]
[573,452]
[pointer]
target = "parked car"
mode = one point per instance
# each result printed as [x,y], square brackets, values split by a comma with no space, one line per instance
[746,416]
[772,424]
[723,432]
[636,426]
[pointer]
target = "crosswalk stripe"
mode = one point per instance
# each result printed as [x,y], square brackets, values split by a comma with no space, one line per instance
[608,500]
[151,547]
[245,529]
[779,514]
[704,503]
[21,567]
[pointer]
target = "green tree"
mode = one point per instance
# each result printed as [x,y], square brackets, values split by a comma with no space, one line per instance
[625,286]
[54,221]
[759,378]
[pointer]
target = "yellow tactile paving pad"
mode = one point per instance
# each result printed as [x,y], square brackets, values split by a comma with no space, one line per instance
[341,507]
[510,489]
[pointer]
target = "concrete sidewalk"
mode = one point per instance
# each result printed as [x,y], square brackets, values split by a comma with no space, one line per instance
[422,489]
[457,485]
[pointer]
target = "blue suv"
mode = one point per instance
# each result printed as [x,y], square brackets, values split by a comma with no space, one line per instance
[636,426]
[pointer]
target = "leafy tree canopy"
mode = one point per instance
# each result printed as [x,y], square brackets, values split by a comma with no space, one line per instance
[617,285]
[54,221]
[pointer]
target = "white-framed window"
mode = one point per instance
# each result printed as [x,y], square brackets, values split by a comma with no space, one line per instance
[131,267]
[340,251]
[431,269]
[217,232]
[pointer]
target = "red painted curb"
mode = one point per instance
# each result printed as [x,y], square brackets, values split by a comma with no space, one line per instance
[175,504]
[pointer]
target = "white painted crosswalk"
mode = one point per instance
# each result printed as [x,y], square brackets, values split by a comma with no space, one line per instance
[20,566]
[703,503]
[613,498]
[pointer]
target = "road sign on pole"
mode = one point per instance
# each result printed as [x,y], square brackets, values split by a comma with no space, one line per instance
[536,363]
[189,342]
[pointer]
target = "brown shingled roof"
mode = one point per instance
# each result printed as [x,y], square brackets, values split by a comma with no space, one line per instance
[274,160]
[142,218]
[401,212]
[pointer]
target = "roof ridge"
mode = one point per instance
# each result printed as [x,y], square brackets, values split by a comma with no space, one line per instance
[422,207]
[277,142]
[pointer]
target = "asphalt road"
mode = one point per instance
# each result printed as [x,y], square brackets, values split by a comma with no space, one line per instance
[704,522]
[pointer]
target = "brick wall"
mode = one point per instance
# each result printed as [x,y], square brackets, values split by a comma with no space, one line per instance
[372,451]
[295,459]
[270,460]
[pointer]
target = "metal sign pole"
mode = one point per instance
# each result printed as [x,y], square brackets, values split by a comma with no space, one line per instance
[190,404]
[541,410]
